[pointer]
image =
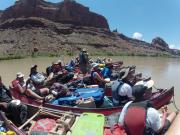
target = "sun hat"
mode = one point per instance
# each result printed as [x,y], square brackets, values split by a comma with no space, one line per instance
[148,84]
[124,73]
[19,75]
[33,66]
[59,61]
[108,61]
[84,50]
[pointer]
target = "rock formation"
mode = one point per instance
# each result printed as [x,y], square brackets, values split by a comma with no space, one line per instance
[31,26]
[160,44]
[64,12]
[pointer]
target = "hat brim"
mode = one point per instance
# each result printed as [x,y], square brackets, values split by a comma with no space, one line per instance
[33,66]
[20,76]
[126,72]
[148,84]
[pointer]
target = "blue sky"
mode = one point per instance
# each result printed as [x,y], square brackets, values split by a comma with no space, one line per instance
[142,19]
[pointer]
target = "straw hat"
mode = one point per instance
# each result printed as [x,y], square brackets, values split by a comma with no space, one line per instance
[148,84]
[108,61]
[19,75]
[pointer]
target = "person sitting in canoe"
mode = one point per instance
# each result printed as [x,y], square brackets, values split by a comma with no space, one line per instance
[127,76]
[97,77]
[123,92]
[19,84]
[38,80]
[70,66]
[107,70]
[148,120]
[58,73]
[15,108]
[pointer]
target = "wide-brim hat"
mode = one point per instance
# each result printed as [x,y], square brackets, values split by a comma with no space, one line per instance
[108,61]
[148,84]
[84,50]
[59,61]
[33,66]
[19,75]
[124,73]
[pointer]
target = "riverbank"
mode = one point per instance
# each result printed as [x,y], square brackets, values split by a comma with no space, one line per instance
[72,54]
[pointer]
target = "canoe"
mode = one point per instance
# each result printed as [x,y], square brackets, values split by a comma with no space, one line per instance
[159,98]
[56,122]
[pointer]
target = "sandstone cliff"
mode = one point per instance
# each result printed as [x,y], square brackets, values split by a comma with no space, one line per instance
[65,12]
[55,29]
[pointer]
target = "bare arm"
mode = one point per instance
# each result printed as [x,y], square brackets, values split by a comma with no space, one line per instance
[100,78]
[21,89]
[163,120]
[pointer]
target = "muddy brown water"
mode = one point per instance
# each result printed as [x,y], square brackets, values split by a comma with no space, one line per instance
[164,71]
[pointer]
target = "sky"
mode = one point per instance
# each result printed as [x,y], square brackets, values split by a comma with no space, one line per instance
[140,19]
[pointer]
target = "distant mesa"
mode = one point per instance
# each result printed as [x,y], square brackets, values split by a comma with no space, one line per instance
[160,44]
[67,11]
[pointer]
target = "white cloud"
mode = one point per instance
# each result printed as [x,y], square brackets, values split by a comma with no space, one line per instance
[171,46]
[137,35]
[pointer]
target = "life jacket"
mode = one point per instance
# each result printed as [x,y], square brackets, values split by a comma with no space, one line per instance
[15,83]
[44,124]
[135,118]
[117,99]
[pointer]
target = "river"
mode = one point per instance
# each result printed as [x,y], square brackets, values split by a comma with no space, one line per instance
[164,71]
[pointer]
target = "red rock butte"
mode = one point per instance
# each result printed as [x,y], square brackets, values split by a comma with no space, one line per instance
[67,11]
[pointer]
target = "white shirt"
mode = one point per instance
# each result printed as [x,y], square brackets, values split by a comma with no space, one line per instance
[125,90]
[153,119]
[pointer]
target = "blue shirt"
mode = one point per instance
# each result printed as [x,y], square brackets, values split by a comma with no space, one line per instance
[106,72]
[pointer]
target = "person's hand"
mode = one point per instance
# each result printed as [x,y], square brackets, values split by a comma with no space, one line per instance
[164,109]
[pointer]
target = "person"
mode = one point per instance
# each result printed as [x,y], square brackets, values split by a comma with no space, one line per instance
[70,66]
[127,75]
[107,70]
[148,121]
[13,107]
[54,68]
[63,76]
[83,61]
[19,84]
[53,71]
[123,92]
[97,78]
[38,81]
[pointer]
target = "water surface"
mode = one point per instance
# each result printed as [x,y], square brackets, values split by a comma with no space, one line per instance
[164,71]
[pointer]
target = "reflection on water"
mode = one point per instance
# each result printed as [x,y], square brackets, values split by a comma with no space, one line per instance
[164,71]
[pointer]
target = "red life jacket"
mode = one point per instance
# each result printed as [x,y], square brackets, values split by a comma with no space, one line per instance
[135,118]
[14,84]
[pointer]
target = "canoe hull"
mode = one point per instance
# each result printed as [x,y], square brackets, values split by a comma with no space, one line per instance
[158,99]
